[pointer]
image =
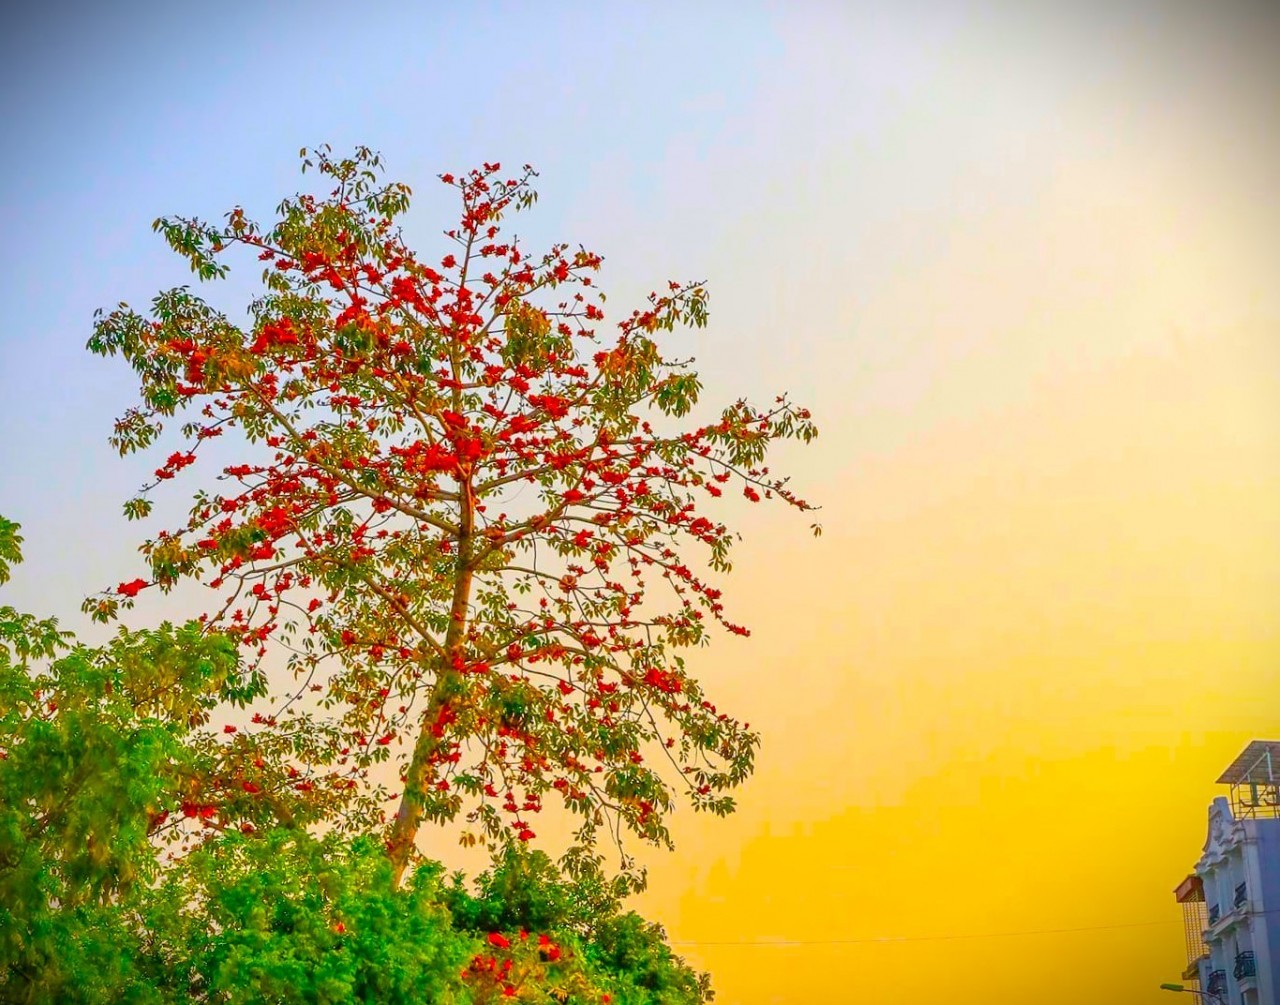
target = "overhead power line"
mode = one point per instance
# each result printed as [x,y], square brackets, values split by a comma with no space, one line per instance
[892,939]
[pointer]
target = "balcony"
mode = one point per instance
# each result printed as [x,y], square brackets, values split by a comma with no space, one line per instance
[1246,968]
[1217,983]
[1241,897]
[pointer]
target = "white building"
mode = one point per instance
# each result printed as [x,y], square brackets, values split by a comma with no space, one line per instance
[1231,902]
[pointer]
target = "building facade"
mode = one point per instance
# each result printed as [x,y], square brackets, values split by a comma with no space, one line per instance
[1231,902]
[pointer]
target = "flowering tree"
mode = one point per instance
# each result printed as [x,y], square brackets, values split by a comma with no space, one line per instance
[454,503]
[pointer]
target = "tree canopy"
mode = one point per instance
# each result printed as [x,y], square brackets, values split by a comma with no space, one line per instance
[471,520]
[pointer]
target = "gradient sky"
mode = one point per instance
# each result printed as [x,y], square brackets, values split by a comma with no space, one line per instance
[1020,260]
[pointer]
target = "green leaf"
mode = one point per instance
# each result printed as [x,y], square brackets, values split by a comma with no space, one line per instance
[10,547]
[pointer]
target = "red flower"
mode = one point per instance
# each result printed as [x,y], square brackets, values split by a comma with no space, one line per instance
[132,589]
[663,680]
[499,940]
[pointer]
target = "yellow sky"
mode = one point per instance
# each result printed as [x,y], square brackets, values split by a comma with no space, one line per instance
[1043,617]
[996,693]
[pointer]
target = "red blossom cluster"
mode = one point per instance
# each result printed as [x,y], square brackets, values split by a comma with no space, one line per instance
[507,968]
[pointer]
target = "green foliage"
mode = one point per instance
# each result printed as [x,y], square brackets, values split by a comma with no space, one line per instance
[290,919]
[10,547]
[619,953]
[104,756]
[640,967]
[93,751]
[524,889]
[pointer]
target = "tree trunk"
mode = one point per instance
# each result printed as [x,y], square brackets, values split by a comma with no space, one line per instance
[408,819]
[404,829]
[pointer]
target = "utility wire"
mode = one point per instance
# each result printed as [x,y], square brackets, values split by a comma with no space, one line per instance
[892,939]
[886,939]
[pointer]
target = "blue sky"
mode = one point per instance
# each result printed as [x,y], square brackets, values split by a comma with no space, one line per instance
[802,152]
